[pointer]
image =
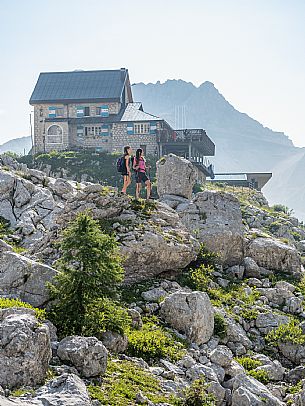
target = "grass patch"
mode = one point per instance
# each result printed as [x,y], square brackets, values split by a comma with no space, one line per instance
[286,333]
[122,381]
[153,342]
[8,303]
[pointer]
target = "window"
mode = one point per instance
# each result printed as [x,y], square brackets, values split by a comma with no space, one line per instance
[55,112]
[54,135]
[141,128]
[60,112]
[92,131]
[105,110]
[86,111]
[98,111]
[40,112]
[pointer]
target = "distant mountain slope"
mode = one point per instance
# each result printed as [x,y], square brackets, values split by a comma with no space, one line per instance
[242,143]
[17,145]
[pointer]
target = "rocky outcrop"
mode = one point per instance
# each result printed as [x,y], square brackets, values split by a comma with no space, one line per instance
[274,255]
[215,219]
[25,349]
[247,391]
[23,278]
[65,390]
[151,237]
[87,354]
[191,313]
[170,181]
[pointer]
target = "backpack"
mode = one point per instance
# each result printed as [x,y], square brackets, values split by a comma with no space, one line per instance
[120,164]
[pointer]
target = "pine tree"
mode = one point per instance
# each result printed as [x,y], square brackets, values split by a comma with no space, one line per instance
[89,269]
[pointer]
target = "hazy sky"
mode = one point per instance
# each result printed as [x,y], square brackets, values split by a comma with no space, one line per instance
[252,50]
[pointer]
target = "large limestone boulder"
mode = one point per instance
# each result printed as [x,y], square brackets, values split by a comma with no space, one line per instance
[23,278]
[191,313]
[247,391]
[275,255]
[87,354]
[216,220]
[175,176]
[65,390]
[25,348]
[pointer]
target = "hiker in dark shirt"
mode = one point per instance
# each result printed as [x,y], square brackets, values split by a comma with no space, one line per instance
[140,167]
[126,172]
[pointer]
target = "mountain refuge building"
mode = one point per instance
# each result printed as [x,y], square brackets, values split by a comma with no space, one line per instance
[95,110]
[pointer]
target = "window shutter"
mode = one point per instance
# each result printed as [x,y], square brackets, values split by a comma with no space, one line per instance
[52,112]
[130,129]
[79,111]
[153,127]
[105,130]
[105,110]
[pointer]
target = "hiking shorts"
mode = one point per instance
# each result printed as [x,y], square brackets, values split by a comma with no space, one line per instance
[141,177]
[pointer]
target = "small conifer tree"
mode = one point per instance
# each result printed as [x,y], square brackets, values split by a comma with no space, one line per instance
[89,269]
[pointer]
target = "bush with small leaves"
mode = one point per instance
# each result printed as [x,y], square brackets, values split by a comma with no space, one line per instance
[286,333]
[220,325]
[153,342]
[197,395]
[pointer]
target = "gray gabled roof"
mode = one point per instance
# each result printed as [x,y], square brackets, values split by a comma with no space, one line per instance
[134,112]
[79,86]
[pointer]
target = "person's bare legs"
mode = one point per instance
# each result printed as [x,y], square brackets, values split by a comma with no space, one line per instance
[127,182]
[138,190]
[148,189]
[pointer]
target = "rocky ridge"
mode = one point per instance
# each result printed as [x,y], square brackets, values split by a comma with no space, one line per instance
[231,327]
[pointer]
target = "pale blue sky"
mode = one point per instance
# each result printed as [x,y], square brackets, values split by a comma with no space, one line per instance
[252,50]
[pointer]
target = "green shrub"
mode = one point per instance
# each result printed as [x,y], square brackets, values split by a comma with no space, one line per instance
[286,333]
[121,383]
[248,363]
[220,325]
[197,395]
[295,388]
[249,314]
[89,269]
[281,208]
[4,227]
[105,315]
[201,277]
[7,303]
[250,366]
[153,342]
[260,375]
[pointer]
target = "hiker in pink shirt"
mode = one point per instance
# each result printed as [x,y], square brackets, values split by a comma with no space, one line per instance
[139,165]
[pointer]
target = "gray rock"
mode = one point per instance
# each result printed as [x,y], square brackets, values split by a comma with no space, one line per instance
[198,370]
[296,374]
[252,270]
[66,390]
[191,313]
[219,225]
[24,278]
[114,342]
[222,356]
[266,322]
[275,255]
[136,318]
[247,391]
[154,295]
[175,176]
[87,354]
[25,349]
[218,391]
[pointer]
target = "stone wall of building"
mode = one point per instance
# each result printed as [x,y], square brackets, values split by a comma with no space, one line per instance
[120,138]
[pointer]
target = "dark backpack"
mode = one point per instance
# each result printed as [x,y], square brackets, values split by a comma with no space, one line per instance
[120,164]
